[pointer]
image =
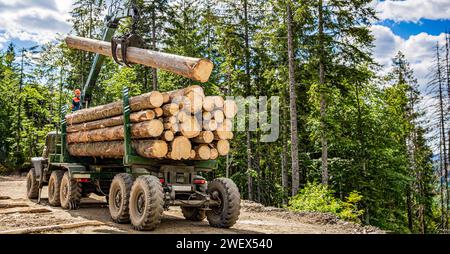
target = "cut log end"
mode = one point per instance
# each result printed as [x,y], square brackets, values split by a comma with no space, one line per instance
[203,152]
[203,70]
[223,147]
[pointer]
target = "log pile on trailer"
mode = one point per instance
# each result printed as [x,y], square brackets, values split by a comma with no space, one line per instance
[179,125]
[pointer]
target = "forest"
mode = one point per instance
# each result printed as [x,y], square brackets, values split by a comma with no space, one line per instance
[352,141]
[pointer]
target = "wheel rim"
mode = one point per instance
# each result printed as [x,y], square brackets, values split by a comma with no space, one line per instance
[140,204]
[118,199]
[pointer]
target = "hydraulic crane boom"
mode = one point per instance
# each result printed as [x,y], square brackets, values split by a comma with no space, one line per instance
[116,12]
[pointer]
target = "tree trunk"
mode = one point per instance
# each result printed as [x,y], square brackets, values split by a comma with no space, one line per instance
[136,117]
[229,108]
[144,101]
[205,137]
[114,149]
[442,125]
[147,129]
[189,67]
[409,209]
[203,152]
[154,71]
[293,105]
[223,147]
[323,132]
[180,148]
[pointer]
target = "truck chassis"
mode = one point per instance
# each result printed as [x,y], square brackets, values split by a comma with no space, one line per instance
[137,189]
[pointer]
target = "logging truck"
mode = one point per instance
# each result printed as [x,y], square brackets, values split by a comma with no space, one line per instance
[129,151]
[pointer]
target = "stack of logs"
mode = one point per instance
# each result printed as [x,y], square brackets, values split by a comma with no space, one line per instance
[179,125]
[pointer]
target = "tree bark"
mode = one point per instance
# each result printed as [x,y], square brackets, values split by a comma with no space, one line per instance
[147,129]
[189,67]
[442,125]
[144,101]
[293,105]
[154,70]
[115,149]
[145,115]
[323,135]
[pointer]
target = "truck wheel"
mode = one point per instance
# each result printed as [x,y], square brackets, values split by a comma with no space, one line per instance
[227,194]
[54,186]
[146,203]
[32,185]
[119,197]
[193,213]
[70,192]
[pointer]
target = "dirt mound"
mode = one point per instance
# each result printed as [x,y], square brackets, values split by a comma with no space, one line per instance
[316,218]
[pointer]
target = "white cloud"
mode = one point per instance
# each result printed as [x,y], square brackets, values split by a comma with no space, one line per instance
[413,10]
[37,20]
[419,50]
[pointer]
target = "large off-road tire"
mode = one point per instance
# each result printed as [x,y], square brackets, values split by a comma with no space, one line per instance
[146,203]
[70,193]
[32,185]
[119,197]
[227,213]
[54,187]
[193,213]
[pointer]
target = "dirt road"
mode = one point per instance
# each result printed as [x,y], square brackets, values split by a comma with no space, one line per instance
[17,212]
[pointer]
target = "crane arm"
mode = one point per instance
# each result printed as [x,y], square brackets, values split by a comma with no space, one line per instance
[117,11]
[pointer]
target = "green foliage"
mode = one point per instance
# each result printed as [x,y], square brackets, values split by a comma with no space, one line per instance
[319,198]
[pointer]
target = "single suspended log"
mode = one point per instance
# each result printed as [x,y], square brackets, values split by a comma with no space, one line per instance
[190,128]
[170,109]
[180,148]
[144,101]
[214,154]
[167,135]
[223,147]
[202,152]
[208,103]
[136,117]
[218,115]
[230,108]
[147,129]
[115,149]
[205,137]
[189,67]
[210,125]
